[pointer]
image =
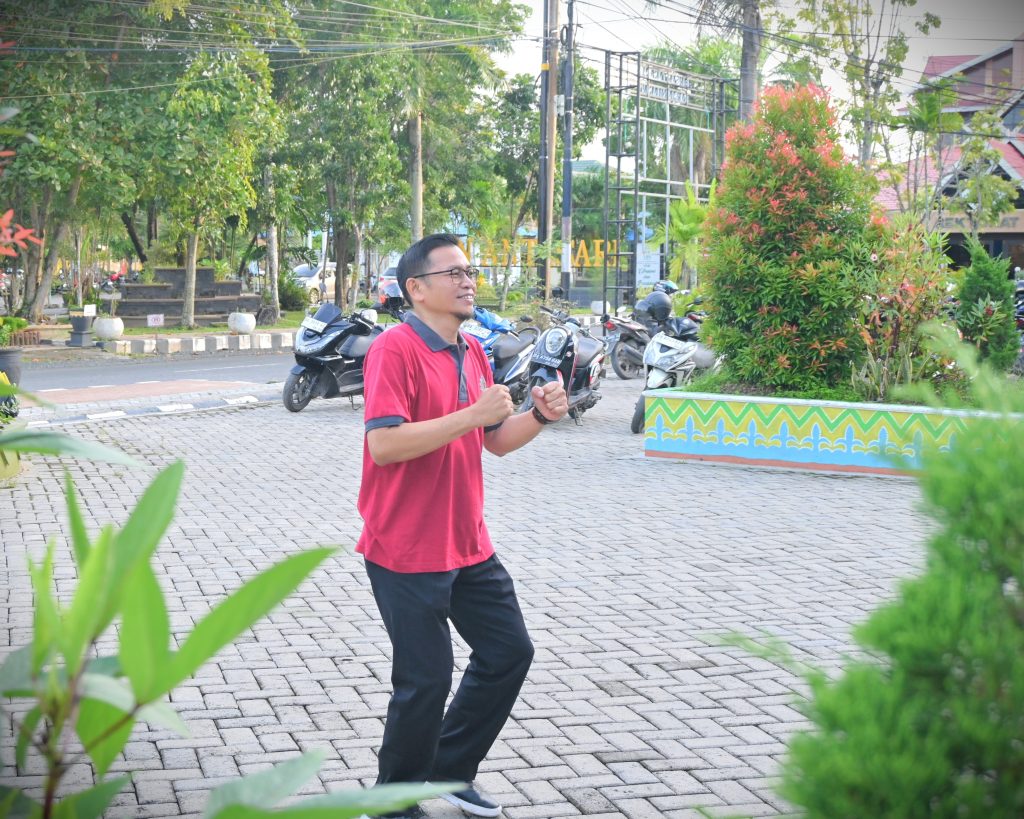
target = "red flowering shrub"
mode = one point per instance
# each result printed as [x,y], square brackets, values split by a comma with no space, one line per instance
[909,271]
[790,257]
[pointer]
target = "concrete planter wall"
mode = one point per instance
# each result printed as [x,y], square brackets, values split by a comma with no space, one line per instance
[825,435]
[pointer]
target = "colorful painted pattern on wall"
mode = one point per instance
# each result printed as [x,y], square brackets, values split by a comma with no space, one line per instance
[809,434]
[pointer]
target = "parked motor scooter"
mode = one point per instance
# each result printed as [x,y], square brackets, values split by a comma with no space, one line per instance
[671,358]
[329,353]
[507,349]
[567,352]
[626,338]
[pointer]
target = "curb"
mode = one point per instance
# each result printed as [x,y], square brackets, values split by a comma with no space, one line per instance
[190,345]
[38,417]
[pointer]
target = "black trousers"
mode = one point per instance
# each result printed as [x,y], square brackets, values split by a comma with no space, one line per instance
[421,741]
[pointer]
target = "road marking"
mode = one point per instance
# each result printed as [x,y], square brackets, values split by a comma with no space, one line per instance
[242,399]
[53,389]
[100,386]
[148,382]
[102,416]
[31,424]
[175,407]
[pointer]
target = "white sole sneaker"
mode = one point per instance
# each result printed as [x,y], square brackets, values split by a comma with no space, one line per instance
[470,807]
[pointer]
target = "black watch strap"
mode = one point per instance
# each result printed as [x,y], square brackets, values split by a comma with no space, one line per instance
[540,418]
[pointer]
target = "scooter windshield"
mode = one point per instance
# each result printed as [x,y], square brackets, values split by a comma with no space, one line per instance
[328,313]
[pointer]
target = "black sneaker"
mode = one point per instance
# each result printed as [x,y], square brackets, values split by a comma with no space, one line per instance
[473,803]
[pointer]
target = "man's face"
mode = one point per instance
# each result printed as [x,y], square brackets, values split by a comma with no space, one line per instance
[440,292]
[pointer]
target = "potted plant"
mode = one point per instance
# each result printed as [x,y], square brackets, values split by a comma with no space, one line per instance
[109,327]
[241,323]
[81,328]
[10,356]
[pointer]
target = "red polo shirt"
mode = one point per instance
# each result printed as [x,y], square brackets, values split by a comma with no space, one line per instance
[424,515]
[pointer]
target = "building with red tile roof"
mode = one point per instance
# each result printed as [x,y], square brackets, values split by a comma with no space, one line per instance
[994,80]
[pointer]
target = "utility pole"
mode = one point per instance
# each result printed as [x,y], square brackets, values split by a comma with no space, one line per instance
[546,182]
[567,88]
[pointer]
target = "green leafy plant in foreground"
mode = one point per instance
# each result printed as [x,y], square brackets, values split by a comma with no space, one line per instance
[932,725]
[100,698]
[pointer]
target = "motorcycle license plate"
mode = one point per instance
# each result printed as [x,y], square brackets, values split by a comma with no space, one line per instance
[478,331]
[313,324]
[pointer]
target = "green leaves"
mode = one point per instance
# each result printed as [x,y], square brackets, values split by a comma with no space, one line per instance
[53,443]
[243,608]
[145,632]
[90,804]
[255,796]
[265,788]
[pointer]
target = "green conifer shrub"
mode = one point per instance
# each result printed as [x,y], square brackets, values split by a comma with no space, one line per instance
[789,253]
[933,724]
[986,313]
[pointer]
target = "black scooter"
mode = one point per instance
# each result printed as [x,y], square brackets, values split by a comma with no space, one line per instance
[329,353]
[568,353]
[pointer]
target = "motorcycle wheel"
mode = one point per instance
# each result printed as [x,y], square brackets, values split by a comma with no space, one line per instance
[625,368]
[298,390]
[636,426]
[527,404]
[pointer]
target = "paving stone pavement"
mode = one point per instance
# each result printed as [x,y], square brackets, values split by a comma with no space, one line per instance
[630,572]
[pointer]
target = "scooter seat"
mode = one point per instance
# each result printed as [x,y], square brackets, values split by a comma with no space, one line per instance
[508,346]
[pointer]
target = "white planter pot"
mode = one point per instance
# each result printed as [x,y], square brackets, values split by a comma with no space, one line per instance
[241,323]
[108,328]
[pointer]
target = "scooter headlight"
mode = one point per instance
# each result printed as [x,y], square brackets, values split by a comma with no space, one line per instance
[555,340]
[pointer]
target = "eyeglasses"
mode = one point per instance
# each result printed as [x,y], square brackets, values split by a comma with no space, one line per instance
[455,274]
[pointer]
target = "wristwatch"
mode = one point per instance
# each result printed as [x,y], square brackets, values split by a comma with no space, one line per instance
[540,417]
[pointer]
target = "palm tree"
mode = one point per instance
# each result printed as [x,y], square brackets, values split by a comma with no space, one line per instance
[685,225]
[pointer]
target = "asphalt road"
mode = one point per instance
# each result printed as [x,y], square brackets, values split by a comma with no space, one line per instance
[259,368]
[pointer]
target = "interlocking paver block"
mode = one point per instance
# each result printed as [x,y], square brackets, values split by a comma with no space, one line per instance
[633,707]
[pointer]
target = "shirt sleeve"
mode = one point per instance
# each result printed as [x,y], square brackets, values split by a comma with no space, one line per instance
[387,385]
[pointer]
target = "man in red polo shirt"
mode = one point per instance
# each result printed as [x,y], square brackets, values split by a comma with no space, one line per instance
[431,408]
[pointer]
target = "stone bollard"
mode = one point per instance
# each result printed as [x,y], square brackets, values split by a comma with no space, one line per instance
[281,341]
[140,346]
[120,346]
[168,345]
[193,344]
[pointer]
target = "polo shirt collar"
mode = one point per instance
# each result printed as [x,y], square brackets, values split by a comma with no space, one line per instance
[429,336]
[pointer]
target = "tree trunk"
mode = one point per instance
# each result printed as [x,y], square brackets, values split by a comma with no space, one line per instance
[129,225]
[188,307]
[416,174]
[357,255]
[272,252]
[57,237]
[40,214]
[749,58]
[242,265]
[341,247]
[151,224]
[272,268]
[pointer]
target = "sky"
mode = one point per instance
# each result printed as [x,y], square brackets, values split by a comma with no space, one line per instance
[968,27]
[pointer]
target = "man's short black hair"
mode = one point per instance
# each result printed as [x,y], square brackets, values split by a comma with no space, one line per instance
[414,260]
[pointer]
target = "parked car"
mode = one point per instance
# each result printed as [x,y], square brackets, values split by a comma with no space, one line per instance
[309,277]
